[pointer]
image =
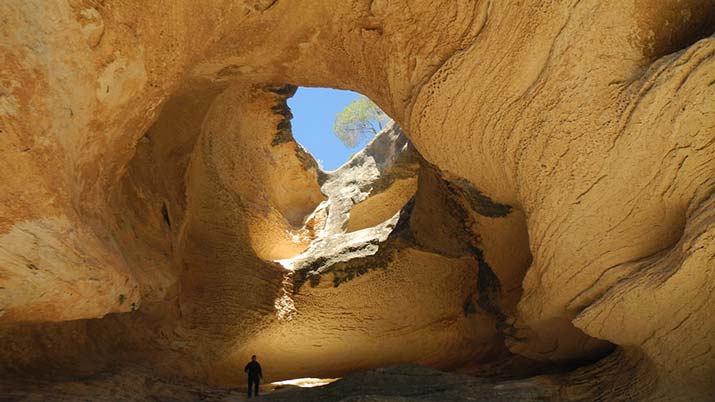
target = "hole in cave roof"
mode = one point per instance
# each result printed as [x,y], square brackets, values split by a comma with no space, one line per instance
[314,114]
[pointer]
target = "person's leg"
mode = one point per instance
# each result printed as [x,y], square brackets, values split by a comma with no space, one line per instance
[250,385]
[258,383]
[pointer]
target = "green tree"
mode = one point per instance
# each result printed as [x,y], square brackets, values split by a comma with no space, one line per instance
[360,120]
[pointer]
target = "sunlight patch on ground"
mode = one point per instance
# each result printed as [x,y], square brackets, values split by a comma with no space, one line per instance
[305,382]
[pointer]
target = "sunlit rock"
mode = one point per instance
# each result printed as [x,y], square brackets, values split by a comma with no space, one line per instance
[553,222]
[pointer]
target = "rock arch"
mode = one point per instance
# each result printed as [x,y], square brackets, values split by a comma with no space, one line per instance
[144,188]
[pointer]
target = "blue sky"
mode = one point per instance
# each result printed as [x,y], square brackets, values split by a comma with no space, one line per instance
[314,111]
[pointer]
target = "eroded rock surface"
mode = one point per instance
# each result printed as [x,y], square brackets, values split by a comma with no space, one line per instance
[555,219]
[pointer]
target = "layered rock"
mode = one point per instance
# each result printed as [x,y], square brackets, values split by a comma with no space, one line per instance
[565,177]
[374,297]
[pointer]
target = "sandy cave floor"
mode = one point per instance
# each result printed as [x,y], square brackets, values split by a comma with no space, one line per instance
[392,384]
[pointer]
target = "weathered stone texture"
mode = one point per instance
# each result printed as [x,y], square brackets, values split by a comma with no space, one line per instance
[552,207]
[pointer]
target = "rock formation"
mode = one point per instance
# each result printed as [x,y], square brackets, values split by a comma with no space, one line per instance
[550,217]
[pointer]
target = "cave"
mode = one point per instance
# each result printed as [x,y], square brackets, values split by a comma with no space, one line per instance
[535,225]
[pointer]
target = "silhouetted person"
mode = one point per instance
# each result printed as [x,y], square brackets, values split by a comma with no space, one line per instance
[255,375]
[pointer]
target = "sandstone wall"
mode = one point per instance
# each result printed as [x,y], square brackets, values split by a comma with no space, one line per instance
[148,180]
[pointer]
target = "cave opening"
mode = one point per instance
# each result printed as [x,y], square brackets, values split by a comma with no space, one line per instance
[367,174]
[333,125]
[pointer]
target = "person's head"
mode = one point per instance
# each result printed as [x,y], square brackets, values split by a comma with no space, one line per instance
[253,358]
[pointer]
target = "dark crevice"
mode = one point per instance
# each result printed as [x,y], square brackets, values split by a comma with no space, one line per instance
[675,27]
[481,204]
[402,227]
[285,90]
[165,214]
[283,128]
[488,286]
[468,306]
